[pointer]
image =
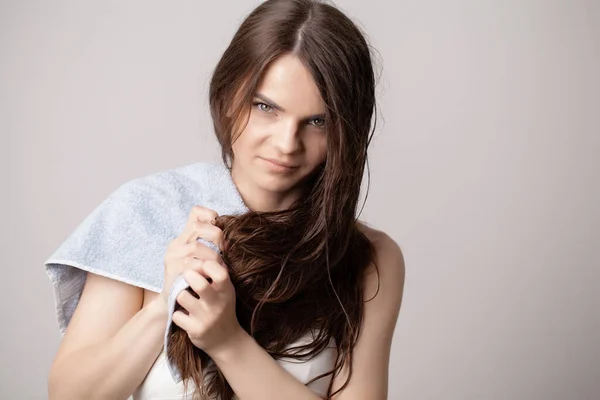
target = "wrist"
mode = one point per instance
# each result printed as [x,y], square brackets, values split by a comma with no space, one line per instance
[232,348]
[158,306]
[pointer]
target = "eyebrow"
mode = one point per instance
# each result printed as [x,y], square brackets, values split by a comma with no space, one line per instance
[279,108]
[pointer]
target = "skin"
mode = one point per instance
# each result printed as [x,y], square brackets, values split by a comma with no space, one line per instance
[292,136]
[123,325]
[286,123]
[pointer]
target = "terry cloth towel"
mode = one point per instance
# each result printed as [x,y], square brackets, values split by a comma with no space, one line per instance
[127,235]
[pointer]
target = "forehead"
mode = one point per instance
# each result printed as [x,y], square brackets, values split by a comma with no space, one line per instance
[289,83]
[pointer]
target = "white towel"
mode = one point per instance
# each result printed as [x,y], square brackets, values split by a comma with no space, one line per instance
[126,236]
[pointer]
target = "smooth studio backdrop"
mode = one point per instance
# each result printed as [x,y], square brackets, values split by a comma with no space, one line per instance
[484,169]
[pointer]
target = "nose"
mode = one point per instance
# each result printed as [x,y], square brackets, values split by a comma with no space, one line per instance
[287,137]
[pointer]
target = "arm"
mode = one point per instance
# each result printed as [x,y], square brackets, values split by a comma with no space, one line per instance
[110,344]
[254,374]
[371,355]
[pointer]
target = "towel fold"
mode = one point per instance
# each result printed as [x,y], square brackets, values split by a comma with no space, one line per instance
[179,285]
[127,235]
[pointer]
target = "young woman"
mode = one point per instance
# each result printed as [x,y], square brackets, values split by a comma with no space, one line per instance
[292,101]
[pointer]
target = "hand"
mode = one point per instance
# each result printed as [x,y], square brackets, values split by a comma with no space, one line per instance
[209,320]
[185,252]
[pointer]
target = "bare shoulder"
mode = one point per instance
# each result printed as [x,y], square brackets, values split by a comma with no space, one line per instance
[385,276]
[388,253]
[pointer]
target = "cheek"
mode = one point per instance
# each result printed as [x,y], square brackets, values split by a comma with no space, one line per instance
[249,139]
[255,132]
[319,147]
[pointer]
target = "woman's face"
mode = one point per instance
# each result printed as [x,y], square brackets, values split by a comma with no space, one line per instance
[286,125]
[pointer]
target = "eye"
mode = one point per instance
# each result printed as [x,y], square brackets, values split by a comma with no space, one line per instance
[263,107]
[318,122]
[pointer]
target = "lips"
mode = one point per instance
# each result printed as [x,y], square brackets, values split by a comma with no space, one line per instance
[282,163]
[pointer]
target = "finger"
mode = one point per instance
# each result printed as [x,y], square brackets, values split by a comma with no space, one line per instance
[193,227]
[217,272]
[203,252]
[203,230]
[200,284]
[183,321]
[176,266]
[188,301]
[208,216]
[196,250]
[186,254]
[189,263]
[199,213]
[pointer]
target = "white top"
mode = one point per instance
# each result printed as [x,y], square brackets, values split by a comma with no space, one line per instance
[159,385]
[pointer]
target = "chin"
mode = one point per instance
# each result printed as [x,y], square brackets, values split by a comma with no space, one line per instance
[275,183]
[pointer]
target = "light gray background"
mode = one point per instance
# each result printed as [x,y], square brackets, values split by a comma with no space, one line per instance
[485,171]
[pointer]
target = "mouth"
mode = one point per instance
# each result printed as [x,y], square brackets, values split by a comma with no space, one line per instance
[279,165]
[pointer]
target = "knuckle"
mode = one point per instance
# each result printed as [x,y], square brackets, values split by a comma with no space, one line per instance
[221,276]
[188,249]
[187,274]
[202,285]
[202,213]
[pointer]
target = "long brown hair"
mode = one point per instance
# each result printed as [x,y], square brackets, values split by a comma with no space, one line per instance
[299,269]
